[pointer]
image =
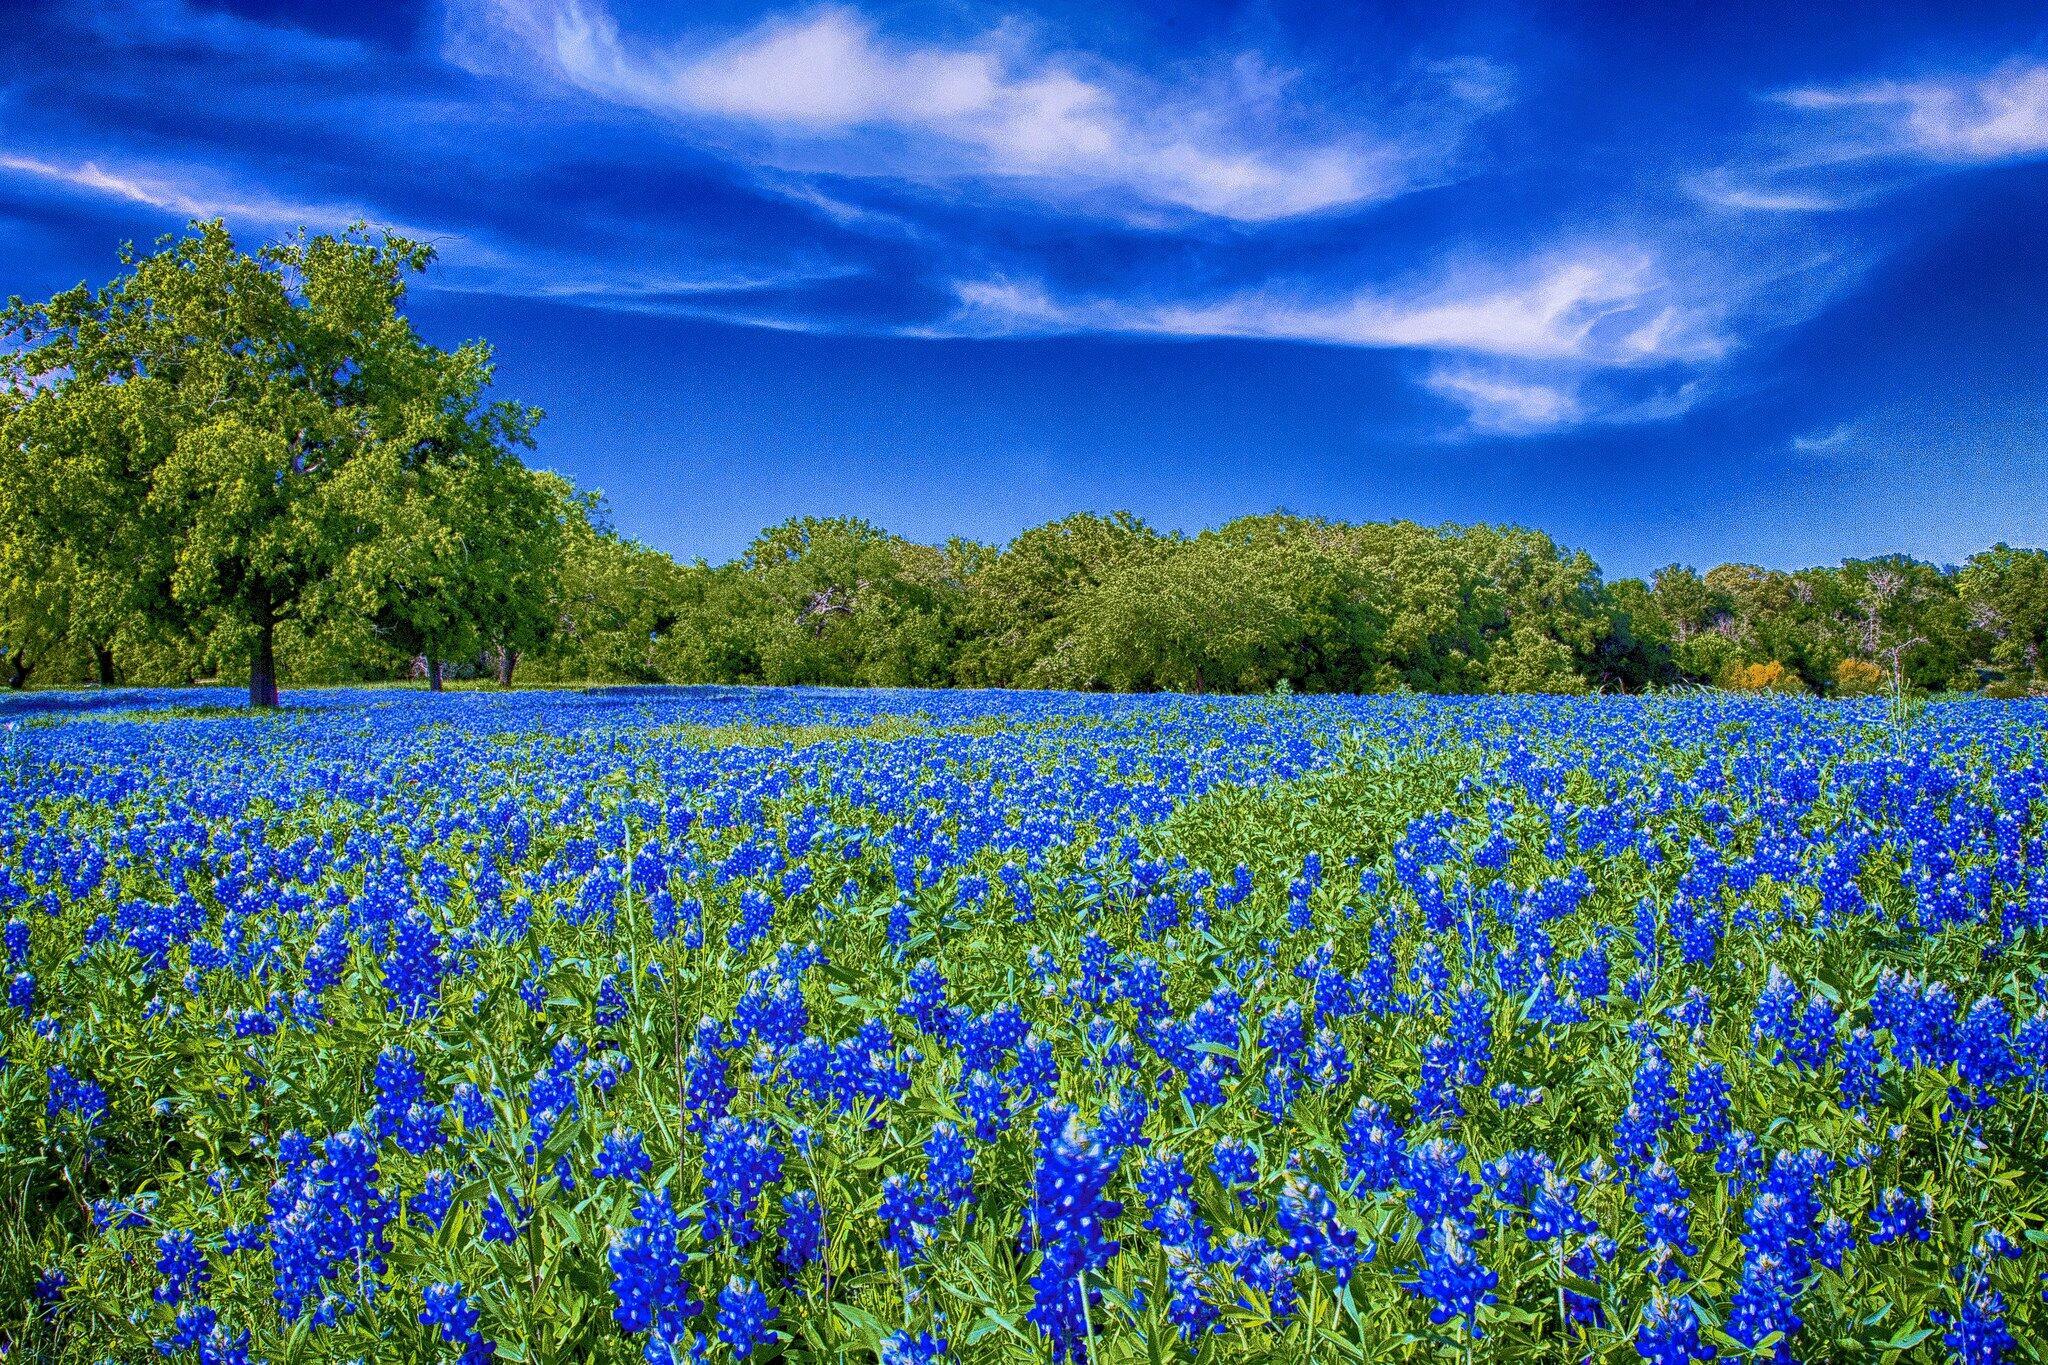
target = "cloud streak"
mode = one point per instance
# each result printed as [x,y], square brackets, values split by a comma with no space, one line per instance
[473,264]
[1846,145]
[2000,115]
[827,89]
[184,193]
[1599,307]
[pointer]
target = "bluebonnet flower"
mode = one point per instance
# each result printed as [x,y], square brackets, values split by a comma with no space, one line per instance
[183,1266]
[1663,1205]
[1978,1335]
[70,1094]
[1169,1194]
[803,1229]
[1898,1216]
[414,968]
[612,1006]
[325,1213]
[436,1197]
[902,1348]
[1983,1054]
[757,914]
[455,1315]
[741,1160]
[1190,1307]
[621,1157]
[648,1264]
[504,1216]
[1067,1223]
[744,1317]
[1452,1277]
[1779,1227]
[1236,1164]
[1436,1092]
[1652,1098]
[1833,1239]
[1372,1147]
[908,1217]
[1706,1104]
[1670,1333]
[1308,1218]
[924,999]
[1583,1262]
[983,1099]
[1439,1189]
[1860,1085]
[1283,1086]
[1472,1034]
[1554,1211]
[949,1168]
[422,1131]
[1037,1070]
[473,1107]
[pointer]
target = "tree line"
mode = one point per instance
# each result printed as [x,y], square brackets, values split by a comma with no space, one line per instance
[226,465]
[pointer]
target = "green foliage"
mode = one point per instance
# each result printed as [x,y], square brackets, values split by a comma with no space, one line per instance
[218,443]
[223,464]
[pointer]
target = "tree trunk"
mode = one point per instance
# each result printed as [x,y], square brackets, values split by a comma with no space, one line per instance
[18,670]
[433,675]
[103,657]
[508,659]
[263,658]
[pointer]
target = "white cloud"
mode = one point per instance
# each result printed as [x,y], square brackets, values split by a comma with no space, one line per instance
[1595,307]
[1727,189]
[1500,404]
[1849,144]
[1824,440]
[827,85]
[469,263]
[1997,116]
[1534,348]
[184,193]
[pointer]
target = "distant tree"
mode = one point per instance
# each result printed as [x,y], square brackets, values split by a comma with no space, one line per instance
[838,601]
[1195,617]
[1635,651]
[1018,601]
[243,425]
[2004,592]
[1907,616]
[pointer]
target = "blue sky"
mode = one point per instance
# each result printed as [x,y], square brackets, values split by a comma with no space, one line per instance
[1697,283]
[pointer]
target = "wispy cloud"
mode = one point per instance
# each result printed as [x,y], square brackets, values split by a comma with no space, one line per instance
[1845,145]
[471,262]
[1500,404]
[1600,307]
[1997,116]
[827,87]
[184,192]
[1517,349]
[1813,442]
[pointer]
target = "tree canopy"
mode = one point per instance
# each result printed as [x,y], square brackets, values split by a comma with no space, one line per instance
[218,442]
[246,465]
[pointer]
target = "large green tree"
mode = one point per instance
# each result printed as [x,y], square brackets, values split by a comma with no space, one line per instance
[229,429]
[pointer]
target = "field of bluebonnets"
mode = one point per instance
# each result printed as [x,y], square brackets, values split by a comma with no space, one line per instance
[1010,1027]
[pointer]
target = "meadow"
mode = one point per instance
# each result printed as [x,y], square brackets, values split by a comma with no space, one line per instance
[730,1024]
